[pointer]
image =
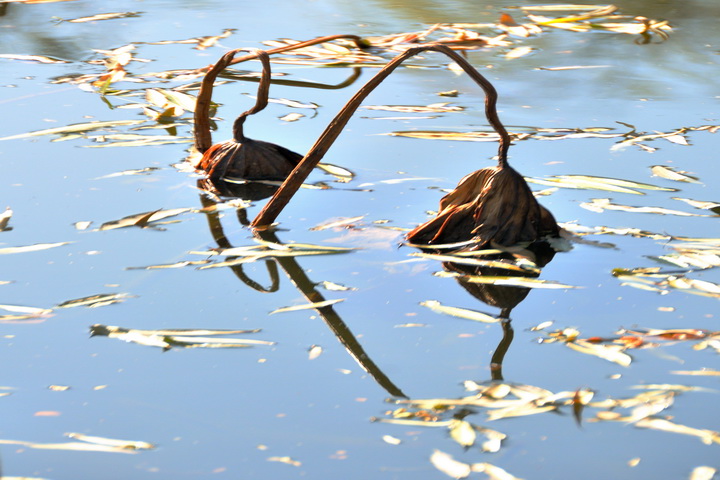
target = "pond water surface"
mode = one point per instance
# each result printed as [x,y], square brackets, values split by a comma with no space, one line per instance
[271,411]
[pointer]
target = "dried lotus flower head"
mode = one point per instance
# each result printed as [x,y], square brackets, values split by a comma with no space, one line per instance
[233,164]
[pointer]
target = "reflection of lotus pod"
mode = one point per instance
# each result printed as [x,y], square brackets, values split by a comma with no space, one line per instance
[491,205]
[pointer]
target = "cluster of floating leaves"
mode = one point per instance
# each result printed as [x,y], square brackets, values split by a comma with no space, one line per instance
[499,400]
[623,140]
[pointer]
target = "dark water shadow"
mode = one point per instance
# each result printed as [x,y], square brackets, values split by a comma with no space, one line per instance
[301,281]
[506,298]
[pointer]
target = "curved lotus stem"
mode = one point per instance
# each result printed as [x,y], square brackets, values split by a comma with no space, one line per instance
[203,137]
[276,204]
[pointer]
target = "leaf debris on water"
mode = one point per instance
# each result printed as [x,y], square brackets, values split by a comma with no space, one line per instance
[437,307]
[94,301]
[308,306]
[31,248]
[5,219]
[183,338]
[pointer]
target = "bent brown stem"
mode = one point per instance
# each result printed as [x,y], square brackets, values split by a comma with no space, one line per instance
[203,137]
[291,185]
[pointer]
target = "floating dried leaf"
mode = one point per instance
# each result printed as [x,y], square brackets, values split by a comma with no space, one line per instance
[612,353]
[449,466]
[314,352]
[143,219]
[600,204]
[31,248]
[435,108]
[391,440]
[437,307]
[5,219]
[343,222]
[671,174]
[111,442]
[493,472]
[75,128]
[32,58]
[286,460]
[308,306]
[105,16]
[703,473]
[507,281]
[93,301]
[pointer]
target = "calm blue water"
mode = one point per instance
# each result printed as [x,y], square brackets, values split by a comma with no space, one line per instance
[217,413]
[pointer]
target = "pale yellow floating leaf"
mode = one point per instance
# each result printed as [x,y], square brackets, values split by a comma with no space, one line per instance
[671,174]
[634,462]
[493,472]
[93,301]
[5,219]
[335,170]
[612,353]
[32,58]
[568,7]
[571,67]
[449,466]
[209,41]
[112,442]
[343,222]
[519,410]
[148,141]
[75,128]
[188,263]
[541,326]
[708,437]
[465,260]
[437,307]
[58,388]
[82,225]
[391,440]
[314,352]
[600,204]
[334,287]
[308,306]
[72,446]
[704,372]
[137,171]
[105,16]
[143,219]
[286,460]
[518,52]
[462,432]
[507,281]
[291,103]
[292,117]
[434,108]
[703,473]
[700,204]
[31,248]
[445,135]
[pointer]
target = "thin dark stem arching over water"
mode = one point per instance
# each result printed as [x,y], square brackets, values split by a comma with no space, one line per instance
[203,138]
[291,185]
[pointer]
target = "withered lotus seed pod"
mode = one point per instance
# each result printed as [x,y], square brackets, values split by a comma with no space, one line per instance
[243,158]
